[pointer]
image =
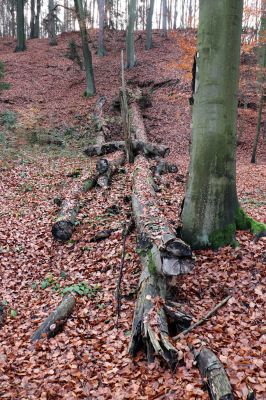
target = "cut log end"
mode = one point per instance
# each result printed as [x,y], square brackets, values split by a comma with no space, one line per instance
[62,230]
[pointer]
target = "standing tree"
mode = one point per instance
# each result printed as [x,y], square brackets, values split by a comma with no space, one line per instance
[148,44]
[261,76]
[51,27]
[131,58]
[90,89]
[21,44]
[164,10]
[211,210]
[101,50]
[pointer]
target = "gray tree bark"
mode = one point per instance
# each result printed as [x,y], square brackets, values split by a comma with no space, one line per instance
[130,46]
[90,89]
[148,44]
[51,24]
[211,205]
[101,50]
[21,44]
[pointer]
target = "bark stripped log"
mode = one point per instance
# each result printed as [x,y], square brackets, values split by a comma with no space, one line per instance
[99,122]
[56,320]
[213,373]
[149,150]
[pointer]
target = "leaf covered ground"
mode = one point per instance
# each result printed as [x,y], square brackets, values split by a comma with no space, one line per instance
[89,359]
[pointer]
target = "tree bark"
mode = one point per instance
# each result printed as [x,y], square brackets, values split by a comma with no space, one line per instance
[56,320]
[90,89]
[130,47]
[101,49]
[21,44]
[214,375]
[149,150]
[148,44]
[51,27]
[209,213]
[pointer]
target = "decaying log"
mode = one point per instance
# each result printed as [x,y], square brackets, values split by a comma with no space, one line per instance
[149,150]
[152,84]
[164,168]
[99,122]
[139,131]
[64,225]
[213,373]
[162,255]
[2,314]
[56,320]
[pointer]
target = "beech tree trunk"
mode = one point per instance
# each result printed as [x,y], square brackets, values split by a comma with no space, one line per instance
[51,27]
[21,44]
[148,44]
[130,46]
[101,49]
[211,205]
[90,89]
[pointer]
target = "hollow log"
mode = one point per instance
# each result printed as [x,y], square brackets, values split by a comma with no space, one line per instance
[56,320]
[149,150]
[213,373]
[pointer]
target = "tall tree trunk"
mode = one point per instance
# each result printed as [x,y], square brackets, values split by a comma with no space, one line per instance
[261,76]
[32,18]
[131,58]
[21,45]
[37,20]
[211,205]
[90,89]
[101,50]
[164,4]
[175,16]
[51,24]
[148,44]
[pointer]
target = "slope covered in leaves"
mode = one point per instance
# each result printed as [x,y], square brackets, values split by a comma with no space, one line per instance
[89,359]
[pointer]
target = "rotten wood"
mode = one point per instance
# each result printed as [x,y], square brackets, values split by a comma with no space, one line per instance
[99,122]
[56,320]
[148,149]
[214,375]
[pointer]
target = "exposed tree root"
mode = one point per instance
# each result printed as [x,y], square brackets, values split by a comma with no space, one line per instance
[56,320]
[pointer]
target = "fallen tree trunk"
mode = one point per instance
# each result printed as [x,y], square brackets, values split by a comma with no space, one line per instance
[99,122]
[214,375]
[56,320]
[149,150]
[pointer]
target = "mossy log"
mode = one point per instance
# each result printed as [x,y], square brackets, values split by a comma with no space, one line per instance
[149,150]
[105,169]
[162,256]
[56,320]
[213,373]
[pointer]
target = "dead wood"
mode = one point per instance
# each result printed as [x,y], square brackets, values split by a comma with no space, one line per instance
[152,84]
[99,122]
[149,150]
[2,314]
[214,375]
[164,168]
[56,320]
[102,235]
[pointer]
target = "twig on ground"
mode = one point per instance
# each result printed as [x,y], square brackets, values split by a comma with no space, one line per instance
[126,230]
[201,321]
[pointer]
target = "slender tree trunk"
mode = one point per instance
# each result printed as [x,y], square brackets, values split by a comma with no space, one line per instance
[148,44]
[32,18]
[21,45]
[51,24]
[130,46]
[175,16]
[37,20]
[90,89]
[211,205]
[183,15]
[101,50]
[164,4]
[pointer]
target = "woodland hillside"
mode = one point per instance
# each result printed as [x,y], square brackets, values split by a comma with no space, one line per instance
[45,124]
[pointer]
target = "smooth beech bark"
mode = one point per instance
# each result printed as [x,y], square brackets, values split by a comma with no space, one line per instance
[148,44]
[101,49]
[211,203]
[90,89]
[130,46]
[21,45]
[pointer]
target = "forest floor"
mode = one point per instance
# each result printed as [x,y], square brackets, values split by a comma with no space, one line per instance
[90,360]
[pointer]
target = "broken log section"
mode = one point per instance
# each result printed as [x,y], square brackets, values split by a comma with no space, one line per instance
[214,375]
[99,122]
[56,320]
[162,256]
[149,150]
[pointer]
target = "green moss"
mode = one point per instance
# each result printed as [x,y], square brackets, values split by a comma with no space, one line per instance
[223,237]
[88,185]
[245,222]
[151,263]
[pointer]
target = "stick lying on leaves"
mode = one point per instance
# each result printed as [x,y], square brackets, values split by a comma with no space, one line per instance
[126,231]
[56,320]
[201,321]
